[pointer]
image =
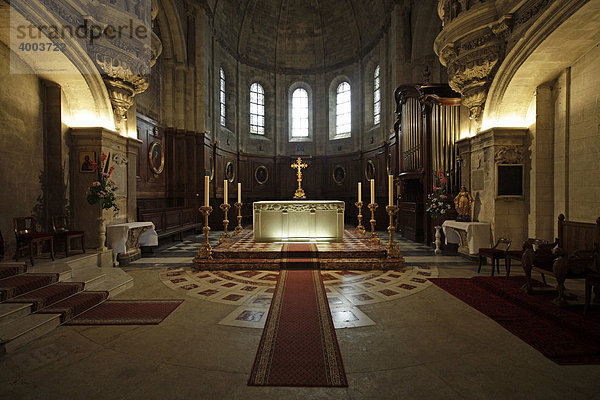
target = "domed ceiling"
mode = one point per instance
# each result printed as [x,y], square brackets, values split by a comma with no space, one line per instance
[300,35]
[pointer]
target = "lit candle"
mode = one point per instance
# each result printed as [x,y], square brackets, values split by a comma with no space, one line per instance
[206,185]
[391,190]
[372,191]
[225,192]
[239,192]
[359,191]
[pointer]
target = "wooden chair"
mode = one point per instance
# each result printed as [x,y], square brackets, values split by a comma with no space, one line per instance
[60,226]
[576,255]
[517,255]
[496,253]
[27,237]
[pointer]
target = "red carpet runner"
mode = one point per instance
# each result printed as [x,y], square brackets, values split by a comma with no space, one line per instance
[563,335]
[298,346]
[299,256]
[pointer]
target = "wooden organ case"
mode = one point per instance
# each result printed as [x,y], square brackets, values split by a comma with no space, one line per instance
[427,128]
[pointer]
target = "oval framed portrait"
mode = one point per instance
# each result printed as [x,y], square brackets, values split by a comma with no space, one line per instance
[229,172]
[156,157]
[339,174]
[261,175]
[370,170]
[211,168]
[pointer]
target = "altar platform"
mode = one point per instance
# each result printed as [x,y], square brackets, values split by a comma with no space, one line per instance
[354,252]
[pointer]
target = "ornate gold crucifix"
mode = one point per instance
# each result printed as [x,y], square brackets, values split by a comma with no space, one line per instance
[299,165]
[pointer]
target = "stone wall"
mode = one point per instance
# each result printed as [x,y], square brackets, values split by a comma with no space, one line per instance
[584,138]
[22,145]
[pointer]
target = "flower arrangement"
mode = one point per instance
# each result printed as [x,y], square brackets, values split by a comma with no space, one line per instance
[102,191]
[438,201]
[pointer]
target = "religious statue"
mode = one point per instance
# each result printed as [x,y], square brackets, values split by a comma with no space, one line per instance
[299,192]
[463,203]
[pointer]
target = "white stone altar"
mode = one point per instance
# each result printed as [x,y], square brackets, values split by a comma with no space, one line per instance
[470,236]
[298,220]
[125,239]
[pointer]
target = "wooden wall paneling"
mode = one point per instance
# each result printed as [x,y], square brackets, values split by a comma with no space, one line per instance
[149,185]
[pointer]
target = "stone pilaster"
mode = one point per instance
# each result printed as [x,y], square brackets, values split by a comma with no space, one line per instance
[480,155]
[100,140]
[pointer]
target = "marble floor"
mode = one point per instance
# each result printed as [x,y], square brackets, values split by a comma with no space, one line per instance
[419,343]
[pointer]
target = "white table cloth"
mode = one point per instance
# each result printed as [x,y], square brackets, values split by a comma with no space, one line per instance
[117,234]
[477,234]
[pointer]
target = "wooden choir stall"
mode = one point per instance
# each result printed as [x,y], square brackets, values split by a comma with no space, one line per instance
[427,128]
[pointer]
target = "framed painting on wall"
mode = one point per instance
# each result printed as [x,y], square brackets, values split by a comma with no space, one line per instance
[339,174]
[229,172]
[261,175]
[156,157]
[370,170]
[86,160]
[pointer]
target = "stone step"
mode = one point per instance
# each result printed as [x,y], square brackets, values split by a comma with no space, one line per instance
[87,276]
[26,329]
[90,259]
[115,281]
[53,267]
[10,312]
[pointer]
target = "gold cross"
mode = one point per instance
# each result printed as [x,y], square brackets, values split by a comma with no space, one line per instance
[299,165]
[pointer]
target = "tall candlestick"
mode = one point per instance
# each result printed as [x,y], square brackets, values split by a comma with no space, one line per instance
[225,192]
[239,192]
[391,190]
[372,191]
[206,185]
[359,192]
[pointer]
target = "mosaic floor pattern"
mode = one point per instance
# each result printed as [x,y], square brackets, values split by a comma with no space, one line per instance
[252,291]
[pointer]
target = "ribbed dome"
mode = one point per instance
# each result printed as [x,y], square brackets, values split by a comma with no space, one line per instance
[300,35]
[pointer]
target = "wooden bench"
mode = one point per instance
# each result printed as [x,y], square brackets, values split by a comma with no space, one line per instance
[576,255]
[172,221]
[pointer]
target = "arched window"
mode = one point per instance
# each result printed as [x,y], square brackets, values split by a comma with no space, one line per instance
[257,109]
[300,113]
[222,95]
[343,110]
[376,97]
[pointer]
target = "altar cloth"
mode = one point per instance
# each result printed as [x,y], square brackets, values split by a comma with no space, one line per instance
[117,235]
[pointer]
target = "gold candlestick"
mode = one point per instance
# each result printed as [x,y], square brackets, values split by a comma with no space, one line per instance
[373,207]
[393,251]
[225,235]
[360,228]
[205,250]
[238,228]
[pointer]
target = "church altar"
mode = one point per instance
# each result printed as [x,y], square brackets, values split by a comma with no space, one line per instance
[295,220]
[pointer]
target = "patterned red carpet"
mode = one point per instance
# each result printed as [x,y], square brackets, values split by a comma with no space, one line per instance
[127,312]
[299,256]
[563,335]
[298,346]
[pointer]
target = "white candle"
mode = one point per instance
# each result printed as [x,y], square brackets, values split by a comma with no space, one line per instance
[206,185]
[239,192]
[372,191]
[359,191]
[225,192]
[391,190]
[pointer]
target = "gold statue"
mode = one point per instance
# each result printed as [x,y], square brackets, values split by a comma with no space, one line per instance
[299,165]
[463,203]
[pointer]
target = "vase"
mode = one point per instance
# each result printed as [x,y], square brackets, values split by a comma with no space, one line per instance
[101,234]
[438,239]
